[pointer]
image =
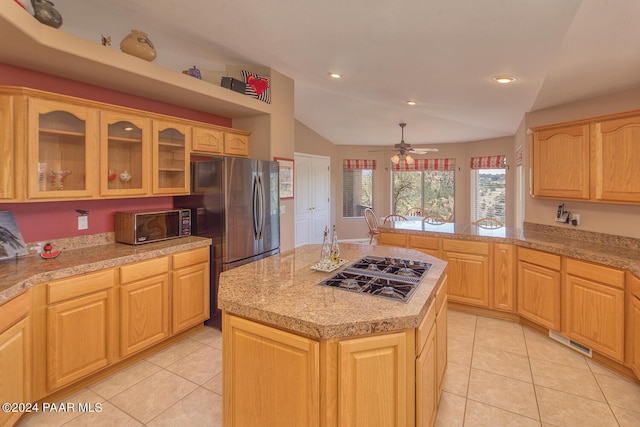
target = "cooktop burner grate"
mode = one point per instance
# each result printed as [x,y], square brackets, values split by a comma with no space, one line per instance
[390,278]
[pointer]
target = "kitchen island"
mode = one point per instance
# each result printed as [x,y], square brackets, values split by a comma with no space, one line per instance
[296,353]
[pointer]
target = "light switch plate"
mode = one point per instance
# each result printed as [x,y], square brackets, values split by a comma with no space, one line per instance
[83,222]
[282,210]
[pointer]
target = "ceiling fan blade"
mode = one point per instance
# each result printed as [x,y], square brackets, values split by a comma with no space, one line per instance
[424,150]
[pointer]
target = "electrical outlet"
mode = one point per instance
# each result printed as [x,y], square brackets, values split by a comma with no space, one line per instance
[282,210]
[83,222]
[575,219]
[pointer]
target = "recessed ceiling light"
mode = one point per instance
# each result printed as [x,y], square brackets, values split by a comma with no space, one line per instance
[410,102]
[335,75]
[504,79]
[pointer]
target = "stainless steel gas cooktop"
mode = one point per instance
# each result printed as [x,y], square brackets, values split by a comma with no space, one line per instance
[387,277]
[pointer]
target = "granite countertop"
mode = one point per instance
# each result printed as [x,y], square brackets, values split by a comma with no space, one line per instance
[614,251]
[17,275]
[283,291]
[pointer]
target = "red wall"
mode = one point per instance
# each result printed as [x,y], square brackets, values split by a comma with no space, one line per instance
[44,221]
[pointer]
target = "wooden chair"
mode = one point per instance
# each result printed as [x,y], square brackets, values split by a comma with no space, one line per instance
[415,212]
[434,219]
[394,217]
[488,223]
[372,222]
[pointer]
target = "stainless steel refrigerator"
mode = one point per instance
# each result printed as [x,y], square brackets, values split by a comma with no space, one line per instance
[235,202]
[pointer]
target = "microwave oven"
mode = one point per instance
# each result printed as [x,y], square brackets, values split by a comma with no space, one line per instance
[135,227]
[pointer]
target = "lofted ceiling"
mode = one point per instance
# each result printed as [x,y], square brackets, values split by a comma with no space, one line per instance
[440,53]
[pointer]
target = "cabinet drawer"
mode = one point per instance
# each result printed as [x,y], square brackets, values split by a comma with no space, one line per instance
[539,258]
[392,239]
[441,294]
[463,246]
[79,285]
[14,310]
[195,256]
[598,273]
[140,270]
[422,242]
[427,323]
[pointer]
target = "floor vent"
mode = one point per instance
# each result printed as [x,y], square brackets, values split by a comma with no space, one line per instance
[571,343]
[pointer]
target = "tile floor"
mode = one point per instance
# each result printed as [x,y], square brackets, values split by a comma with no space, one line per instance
[500,374]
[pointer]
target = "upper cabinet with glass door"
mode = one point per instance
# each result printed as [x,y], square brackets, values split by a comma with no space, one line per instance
[62,145]
[170,158]
[6,149]
[125,167]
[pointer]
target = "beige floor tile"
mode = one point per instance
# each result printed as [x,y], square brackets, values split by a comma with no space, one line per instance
[503,392]
[209,336]
[597,368]
[145,400]
[481,415]
[461,332]
[568,410]
[450,411]
[214,384]
[459,351]
[502,362]
[625,417]
[565,378]
[199,366]
[620,392]
[49,417]
[456,379]
[494,324]
[200,408]
[175,352]
[108,416]
[542,347]
[120,381]
[507,341]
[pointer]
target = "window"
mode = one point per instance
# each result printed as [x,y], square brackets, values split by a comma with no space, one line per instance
[428,184]
[488,195]
[357,187]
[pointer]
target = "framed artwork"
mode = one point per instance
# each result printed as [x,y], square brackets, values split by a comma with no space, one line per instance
[11,242]
[286,177]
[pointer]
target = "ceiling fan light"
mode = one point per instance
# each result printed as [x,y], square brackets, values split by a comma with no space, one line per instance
[408,158]
[395,159]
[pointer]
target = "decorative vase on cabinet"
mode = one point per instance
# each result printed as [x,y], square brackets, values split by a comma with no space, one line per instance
[138,44]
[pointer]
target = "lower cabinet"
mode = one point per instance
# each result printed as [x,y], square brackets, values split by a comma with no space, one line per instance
[190,288]
[441,336]
[373,380]
[15,355]
[594,307]
[634,318]
[144,304]
[271,377]
[539,294]
[426,370]
[468,271]
[503,274]
[80,327]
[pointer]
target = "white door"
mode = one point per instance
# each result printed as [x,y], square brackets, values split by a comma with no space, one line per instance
[311,187]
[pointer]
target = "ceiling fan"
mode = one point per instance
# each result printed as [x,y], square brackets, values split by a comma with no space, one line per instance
[403,149]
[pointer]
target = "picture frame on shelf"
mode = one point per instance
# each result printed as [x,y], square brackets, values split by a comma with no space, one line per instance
[285,177]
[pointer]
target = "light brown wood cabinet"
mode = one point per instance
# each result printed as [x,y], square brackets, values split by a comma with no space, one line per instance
[62,148]
[441,336]
[426,369]
[7,159]
[170,157]
[615,146]
[207,140]
[504,277]
[287,365]
[594,307]
[467,271]
[15,355]
[190,288]
[560,162]
[539,292]
[80,326]
[428,245]
[144,304]
[634,325]
[236,144]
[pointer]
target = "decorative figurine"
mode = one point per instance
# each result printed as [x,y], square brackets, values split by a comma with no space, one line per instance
[138,44]
[48,252]
[106,41]
[57,178]
[125,177]
[46,13]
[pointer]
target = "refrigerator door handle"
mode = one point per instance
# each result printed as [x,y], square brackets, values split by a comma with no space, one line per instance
[256,209]
[262,205]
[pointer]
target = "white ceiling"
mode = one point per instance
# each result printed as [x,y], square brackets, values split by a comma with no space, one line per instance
[441,53]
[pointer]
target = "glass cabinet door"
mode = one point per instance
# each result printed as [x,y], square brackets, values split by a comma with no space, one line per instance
[6,149]
[61,144]
[170,158]
[125,163]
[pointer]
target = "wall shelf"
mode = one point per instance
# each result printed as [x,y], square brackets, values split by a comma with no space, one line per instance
[38,47]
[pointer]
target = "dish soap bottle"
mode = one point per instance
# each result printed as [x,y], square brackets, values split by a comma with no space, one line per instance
[326,248]
[335,249]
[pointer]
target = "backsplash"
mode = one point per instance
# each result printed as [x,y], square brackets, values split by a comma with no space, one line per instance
[76,242]
[583,235]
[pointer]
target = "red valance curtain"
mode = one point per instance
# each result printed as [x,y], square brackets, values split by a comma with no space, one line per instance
[488,162]
[359,164]
[426,165]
